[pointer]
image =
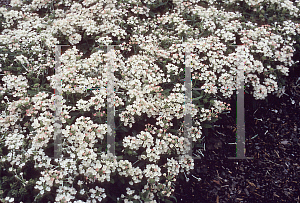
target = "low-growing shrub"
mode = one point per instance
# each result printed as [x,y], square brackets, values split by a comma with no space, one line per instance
[149,70]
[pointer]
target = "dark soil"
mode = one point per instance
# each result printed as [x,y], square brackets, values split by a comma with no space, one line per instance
[272,138]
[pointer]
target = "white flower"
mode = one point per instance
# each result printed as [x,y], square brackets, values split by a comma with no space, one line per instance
[35,124]
[75,38]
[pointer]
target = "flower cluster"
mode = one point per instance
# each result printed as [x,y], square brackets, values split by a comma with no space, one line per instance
[18,83]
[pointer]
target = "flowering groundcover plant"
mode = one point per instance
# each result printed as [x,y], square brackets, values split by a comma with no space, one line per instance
[149,101]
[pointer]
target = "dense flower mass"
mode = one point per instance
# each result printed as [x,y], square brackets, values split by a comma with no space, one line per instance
[149,61]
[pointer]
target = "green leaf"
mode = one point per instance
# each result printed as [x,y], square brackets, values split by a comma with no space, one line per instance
[163,3]
[94,50]
[204,125]
[214,120]
[174,198]
[112,180]
[124,129]
[152,14]
[147,200]
[196,92]
[122,180]
[32,92]
[70,121]
[152,181]
[197,98]
[173,131]
[169,177]
[146,194]
[165,92]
